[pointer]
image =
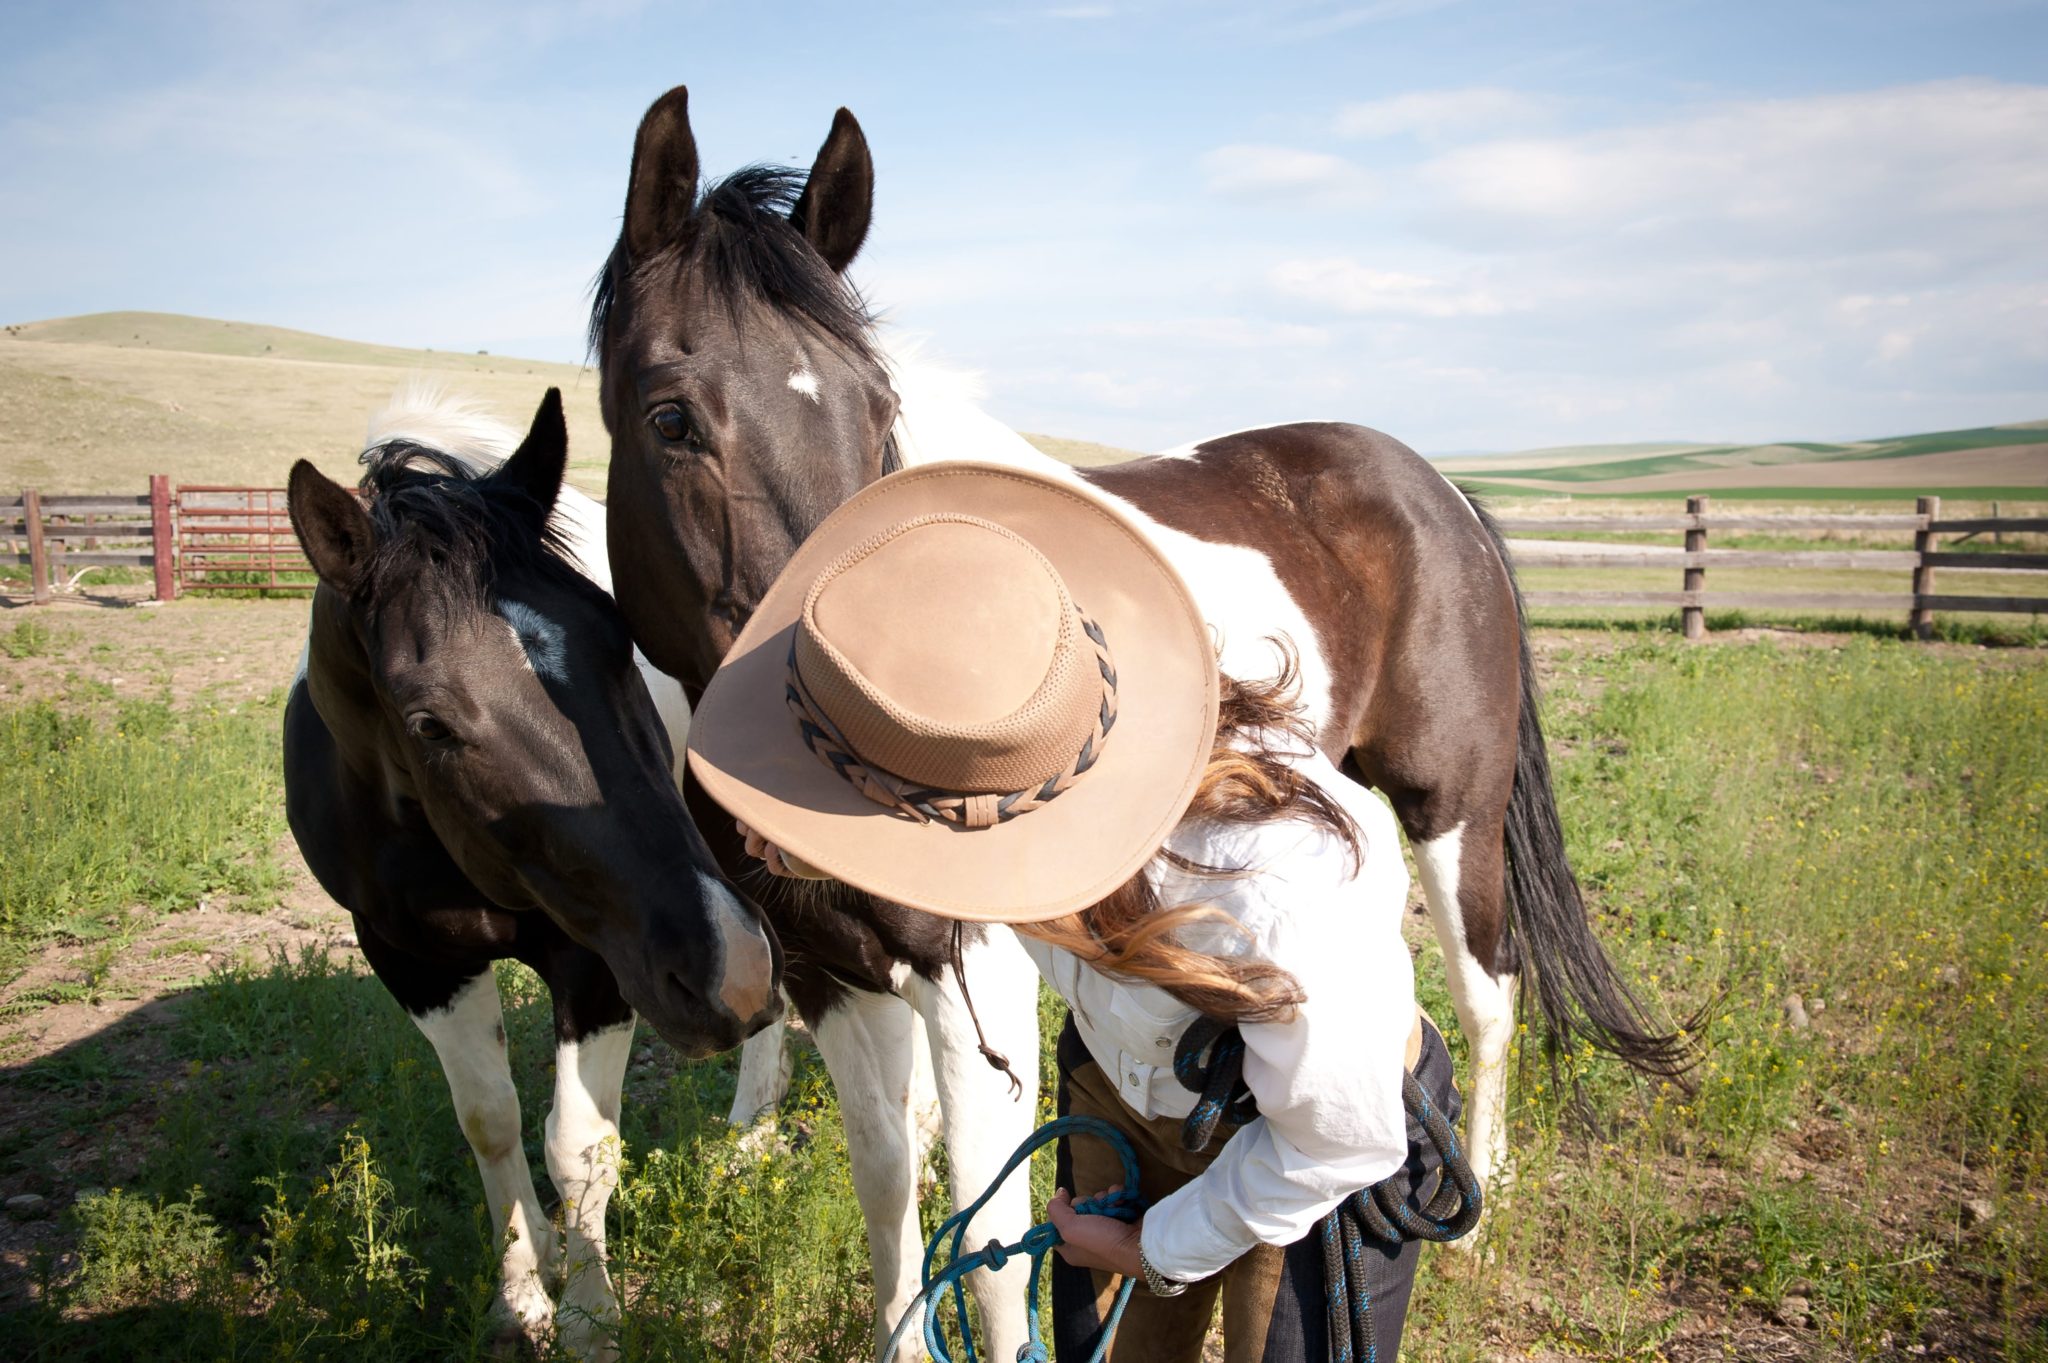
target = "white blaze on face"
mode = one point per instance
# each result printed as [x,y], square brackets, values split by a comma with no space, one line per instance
[542,642]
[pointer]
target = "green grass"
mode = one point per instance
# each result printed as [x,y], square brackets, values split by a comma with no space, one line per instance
[1881,497]
[146,807]
[1864,824]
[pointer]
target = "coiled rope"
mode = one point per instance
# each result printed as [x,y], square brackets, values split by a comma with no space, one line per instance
[1210,1063]
[1125,1205]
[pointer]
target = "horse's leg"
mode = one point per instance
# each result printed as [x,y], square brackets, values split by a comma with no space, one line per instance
[985,1122]
[867,1040]
[461,1016]
[763,1076]
[1463,879]
[593,1039]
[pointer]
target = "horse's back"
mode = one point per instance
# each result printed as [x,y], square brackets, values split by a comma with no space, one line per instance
[1410,607]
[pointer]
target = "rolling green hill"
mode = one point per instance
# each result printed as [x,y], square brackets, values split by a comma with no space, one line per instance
[1991,460]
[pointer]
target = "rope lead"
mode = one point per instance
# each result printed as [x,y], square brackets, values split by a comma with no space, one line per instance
[1209,1062]
[1037,1242]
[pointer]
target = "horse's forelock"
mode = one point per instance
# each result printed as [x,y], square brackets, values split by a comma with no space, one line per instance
[741,240]
[442,526]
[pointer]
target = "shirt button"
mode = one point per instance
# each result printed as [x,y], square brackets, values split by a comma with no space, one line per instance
[1131,1080]
[1163,1043]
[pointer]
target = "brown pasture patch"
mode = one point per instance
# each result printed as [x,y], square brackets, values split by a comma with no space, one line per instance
[96,655]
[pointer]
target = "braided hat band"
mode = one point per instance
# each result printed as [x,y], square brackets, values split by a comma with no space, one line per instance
[926,803]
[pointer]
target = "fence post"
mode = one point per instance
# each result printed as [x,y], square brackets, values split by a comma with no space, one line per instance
[1695,617]
[38,558]
[1997,536]
[1922,619]
[162,544]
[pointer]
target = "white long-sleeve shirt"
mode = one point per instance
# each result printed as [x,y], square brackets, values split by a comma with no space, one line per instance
[1327,1081]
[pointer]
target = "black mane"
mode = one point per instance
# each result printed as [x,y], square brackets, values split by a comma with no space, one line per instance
[434,518]
[741,235]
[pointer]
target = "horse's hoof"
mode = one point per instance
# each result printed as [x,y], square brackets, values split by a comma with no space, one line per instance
[522,1324]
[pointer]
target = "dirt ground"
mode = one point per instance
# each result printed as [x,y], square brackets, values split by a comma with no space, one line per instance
[93,652]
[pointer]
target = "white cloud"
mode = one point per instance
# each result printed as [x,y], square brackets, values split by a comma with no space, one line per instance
[1219,333]
[1251,170]
[1347,286]
[1434,114]
[1929,172]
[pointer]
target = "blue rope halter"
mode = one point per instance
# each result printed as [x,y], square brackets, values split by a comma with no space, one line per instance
[1037,1242]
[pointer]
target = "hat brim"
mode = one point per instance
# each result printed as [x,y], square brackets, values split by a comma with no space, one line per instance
[746,750]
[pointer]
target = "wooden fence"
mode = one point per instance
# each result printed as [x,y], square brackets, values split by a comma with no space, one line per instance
[195,537]
[1693,599]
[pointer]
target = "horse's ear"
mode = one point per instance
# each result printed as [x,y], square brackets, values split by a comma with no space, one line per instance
[839,198]
[535,468]
[332,526]
[661,190]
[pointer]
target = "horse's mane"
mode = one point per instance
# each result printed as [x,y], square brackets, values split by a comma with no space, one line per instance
[741,235]
[439,518]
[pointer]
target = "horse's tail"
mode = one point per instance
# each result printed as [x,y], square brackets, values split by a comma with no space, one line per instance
[1576,988]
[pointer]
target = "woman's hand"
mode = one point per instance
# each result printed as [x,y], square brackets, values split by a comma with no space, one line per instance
[775,859]
[1095,1241]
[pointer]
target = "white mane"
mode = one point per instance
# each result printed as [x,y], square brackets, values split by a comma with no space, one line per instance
[940,415]
[426,413]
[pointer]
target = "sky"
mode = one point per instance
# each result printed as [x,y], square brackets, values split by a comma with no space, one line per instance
[1474,226]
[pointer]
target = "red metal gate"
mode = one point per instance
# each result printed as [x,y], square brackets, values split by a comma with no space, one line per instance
[238,539]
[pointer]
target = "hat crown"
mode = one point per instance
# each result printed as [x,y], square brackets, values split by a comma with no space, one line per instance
[948,652]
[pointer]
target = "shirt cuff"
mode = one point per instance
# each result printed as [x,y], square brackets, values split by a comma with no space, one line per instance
[1182,1240]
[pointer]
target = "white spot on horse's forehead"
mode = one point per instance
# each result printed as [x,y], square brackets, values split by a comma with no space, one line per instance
[802,380]
[542,642]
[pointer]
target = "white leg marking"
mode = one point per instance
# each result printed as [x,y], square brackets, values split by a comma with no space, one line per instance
[1485,1004]
[984,1123]
[763,1077]
[469,1037]
[583,1160]
[866,1041]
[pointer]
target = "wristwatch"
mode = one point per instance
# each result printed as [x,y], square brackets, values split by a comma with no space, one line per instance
[1157,1283]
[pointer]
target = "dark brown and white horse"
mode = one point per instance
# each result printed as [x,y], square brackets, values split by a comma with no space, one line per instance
[747,397]
[478,768]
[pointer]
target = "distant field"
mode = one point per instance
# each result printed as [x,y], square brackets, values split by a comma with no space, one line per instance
[1988,461]
[97,404]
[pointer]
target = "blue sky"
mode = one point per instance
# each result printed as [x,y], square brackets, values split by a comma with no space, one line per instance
[1475,226]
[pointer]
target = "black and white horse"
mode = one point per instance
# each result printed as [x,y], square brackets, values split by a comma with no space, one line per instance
[747,397]
[478,767]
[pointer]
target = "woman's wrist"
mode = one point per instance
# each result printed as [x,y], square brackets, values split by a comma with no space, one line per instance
[1157,1283]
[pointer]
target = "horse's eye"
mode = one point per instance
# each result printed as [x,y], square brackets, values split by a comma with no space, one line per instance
[429,729]
[673,425]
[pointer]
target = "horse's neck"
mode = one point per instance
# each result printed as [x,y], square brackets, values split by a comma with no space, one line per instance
[939,419]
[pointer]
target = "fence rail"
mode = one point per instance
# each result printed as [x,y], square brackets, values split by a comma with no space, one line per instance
[195,537]
[1694,559]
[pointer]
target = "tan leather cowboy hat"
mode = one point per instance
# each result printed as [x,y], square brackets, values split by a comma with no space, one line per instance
[974,690]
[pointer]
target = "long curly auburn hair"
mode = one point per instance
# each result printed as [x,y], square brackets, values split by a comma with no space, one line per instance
[1132,935]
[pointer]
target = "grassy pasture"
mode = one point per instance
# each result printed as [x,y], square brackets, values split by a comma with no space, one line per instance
[265,1163]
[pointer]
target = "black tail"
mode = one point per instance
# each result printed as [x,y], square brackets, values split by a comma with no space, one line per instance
[1574,984]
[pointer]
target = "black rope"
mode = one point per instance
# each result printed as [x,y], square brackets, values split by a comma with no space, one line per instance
[1209,1062]
[997,1061]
